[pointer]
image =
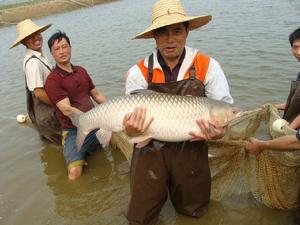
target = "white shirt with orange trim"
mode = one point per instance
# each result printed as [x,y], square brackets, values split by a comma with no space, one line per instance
[36,72]
[216,85]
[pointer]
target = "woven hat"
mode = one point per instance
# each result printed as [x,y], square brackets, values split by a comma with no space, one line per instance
[168,12]
[25,28]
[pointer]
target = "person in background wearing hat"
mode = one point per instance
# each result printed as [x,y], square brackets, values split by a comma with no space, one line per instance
[70,88]
[179,169]
[36,67]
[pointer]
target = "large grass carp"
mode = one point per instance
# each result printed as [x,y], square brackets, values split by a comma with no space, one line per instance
[174,116]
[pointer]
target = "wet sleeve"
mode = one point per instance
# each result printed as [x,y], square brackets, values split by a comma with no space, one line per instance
[91,84]
[88,78]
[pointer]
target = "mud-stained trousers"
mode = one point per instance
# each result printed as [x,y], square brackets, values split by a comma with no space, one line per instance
[179,169]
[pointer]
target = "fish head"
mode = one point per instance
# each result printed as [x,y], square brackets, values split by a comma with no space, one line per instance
[224,113]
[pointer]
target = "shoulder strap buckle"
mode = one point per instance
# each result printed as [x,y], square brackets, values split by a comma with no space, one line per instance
[150,68]
[192,72]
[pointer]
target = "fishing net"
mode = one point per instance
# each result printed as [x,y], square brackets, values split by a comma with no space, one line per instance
[273,177]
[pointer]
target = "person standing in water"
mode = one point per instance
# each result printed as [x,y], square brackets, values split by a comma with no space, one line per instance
[292,106]
[36,67]
[71,90]
[178,169]
[291,114]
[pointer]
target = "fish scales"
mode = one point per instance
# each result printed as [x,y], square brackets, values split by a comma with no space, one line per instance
[174,116]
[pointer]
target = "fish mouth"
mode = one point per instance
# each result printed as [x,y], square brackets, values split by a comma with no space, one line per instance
[237,119]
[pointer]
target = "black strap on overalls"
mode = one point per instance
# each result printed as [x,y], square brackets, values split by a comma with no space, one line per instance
[34,57]
[42,115]
[28,92]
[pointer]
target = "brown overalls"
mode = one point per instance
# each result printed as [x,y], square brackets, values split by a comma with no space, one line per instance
[43,115]
[292,109]
[179,169]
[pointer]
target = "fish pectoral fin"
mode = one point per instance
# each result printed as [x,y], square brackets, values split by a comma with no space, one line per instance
[141,141]
[141,91]
[104,137]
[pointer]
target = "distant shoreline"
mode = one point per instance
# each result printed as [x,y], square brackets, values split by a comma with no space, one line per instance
[13,15]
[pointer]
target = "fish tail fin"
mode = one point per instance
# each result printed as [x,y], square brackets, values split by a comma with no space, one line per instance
[104,137]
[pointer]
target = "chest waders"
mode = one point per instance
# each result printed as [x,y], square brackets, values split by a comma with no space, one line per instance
[178,169]
[42,115]
[292,109]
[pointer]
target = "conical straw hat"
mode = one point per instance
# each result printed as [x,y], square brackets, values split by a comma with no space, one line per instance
[168,12]
[25,28]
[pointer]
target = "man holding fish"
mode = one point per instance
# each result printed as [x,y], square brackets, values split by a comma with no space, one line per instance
[70,88]
[179,169]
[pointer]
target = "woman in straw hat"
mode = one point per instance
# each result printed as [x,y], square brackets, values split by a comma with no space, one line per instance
[36,67]
[179,168]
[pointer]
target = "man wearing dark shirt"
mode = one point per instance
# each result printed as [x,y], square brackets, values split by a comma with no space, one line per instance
[292,106]
[70,88]
[292,114]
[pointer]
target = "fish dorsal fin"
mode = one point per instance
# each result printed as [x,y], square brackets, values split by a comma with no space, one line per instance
[141,140]
[141,91]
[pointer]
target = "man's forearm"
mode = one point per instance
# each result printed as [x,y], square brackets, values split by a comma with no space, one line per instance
[70,110]
[66,108]
[295,123]
[289,142]
[41,95]
[98,96]
[280,106]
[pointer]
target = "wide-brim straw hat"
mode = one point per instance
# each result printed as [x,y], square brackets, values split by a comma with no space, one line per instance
[168,12]
[26,28]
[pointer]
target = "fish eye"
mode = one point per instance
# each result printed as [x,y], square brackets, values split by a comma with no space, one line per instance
[236,110]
